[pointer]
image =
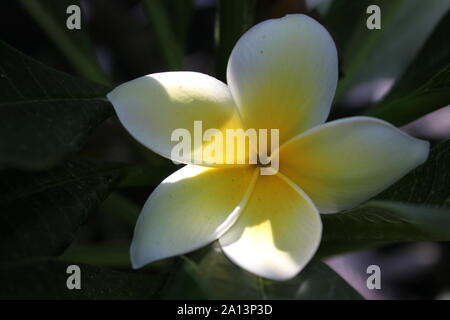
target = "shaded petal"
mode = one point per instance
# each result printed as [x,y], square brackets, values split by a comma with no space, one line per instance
[278,231]
[283,75]
[345,162]
[191,208]
[153,106]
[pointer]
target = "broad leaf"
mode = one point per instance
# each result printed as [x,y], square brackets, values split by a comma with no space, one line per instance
[416,208]
[46,279]
[378,223]
[425,86]
[44,114]
[41,212]
[372,54]
[431,96]
[432,58]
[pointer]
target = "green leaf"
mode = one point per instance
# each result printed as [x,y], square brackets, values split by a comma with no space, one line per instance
[74,44]
[40,212]
[46,279]
[432,58]
[235,17]
[44,114]
[416,208]
[378,223]
[371,54]
[221,279]
[425,86]
[431,96]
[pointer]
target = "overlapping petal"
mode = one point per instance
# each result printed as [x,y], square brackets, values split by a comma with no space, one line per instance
[191,208]
[345,162]
[278,231]
[153,106]
[283,75]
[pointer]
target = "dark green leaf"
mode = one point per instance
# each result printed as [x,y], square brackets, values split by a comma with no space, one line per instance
[46,279]
[416,208]
[74,44]
[235,17]
[433,95]
[378,223]
[425,86]
[372,54]
[44,114]
[432,58]
[41,212]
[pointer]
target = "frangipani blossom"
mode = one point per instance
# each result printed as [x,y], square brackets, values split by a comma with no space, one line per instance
[282,74]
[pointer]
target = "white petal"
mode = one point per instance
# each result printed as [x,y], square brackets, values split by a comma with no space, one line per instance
[345,162]
[189,209]
[277,233]
[283,75]
[153,106]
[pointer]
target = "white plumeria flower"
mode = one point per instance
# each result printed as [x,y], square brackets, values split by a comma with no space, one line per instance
[282,74]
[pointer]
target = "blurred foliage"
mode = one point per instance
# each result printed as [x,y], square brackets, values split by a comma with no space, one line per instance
[371,54]
[425,86]
[48,192]
[74,45]
[169,34]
